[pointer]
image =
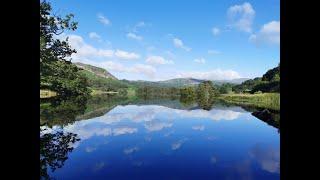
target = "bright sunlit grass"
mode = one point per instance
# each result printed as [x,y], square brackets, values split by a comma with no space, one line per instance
[263,100]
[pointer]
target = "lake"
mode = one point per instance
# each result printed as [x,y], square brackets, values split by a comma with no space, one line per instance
[110,138]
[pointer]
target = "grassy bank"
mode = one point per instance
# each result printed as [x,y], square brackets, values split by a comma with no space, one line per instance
[44,93]
[263,100]
[100,92]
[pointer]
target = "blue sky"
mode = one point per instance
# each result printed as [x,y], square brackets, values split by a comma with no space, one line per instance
[157,40]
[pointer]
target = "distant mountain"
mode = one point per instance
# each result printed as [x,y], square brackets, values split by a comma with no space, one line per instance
[232,81]
[192,81]
[95,70]
[178,82]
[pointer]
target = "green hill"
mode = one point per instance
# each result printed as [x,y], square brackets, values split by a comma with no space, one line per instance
[95,70]
[101,79]
[179,82]
[269,82]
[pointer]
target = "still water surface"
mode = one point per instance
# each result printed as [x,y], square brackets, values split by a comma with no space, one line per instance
[167,141]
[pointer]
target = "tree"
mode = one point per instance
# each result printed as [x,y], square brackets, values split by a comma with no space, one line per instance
[272,74]
[206,90]
[205,94]
[56,72]
[188,92]
[225,88]
[51,48]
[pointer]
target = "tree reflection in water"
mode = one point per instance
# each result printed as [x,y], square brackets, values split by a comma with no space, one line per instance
[61,111]
[268,116]
[55,145]
[54,149]
[203,102]
[206,103]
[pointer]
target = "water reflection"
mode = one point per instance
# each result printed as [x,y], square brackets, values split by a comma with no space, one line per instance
[130,150]
[61,111]
[198,128]
[267,157]
[270,117]
[98,166]
[213,160]
[157,125]
[178,144]
[54,149]
[160,136]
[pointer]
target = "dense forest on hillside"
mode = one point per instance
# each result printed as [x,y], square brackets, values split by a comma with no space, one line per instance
[269,82]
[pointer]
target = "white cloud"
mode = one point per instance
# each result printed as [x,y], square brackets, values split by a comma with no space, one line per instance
[90,149]
[215,31]
[87,53]
[241,16]
[134,36]
[94,35]
[214,114]
[108,124]
[126,55]
[178,144]
[198,128]
[124,130]
[105,52]
[216,74]
[139,25]
[98,166]
[130,150]
[85,50]
[210,51]
[267,157]
[200,60]
[104,20]
[179,44]
[158,60]
[112,66]
[269,34]
[156,125]
[168,134]
[146,70]
[170,54]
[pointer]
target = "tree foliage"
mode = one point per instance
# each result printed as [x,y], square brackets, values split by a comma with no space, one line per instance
[269,82]
[225,88]
[203,94]
[272,74]
[61,111]
[52,48]
[188,92]
[56,72]
[206,90]
[152,92]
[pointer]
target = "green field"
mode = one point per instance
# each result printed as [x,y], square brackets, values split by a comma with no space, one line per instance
[44,93]
[263,100]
